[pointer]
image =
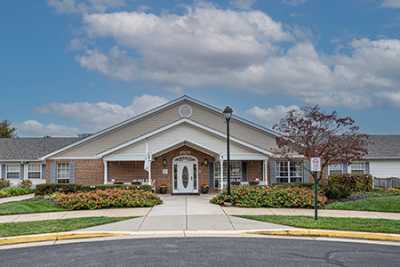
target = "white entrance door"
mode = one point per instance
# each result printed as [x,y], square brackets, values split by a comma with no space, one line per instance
[185,178]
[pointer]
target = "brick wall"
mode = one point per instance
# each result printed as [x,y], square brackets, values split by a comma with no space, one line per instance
[126,171]
[86,171]
[89,171]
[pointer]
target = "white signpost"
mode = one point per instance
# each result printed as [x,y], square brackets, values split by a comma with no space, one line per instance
[315,164]
[315,167]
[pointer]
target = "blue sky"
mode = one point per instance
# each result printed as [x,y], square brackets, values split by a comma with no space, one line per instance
[72,66]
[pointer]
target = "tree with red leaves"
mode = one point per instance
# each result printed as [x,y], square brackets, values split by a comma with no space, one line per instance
[312,133]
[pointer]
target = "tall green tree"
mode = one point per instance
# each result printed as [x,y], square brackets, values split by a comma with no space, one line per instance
[6,130]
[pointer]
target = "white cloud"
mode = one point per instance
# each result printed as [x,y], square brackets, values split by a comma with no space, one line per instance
[240,50]
[271,115]
[391,3]
[96,116]
[35,128]
[85,6]
[243,4]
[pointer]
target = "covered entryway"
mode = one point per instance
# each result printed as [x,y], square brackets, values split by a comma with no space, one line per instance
[186,159]
[185,175]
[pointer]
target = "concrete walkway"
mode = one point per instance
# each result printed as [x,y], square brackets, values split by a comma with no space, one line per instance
[128,212]
[16,198]
[186,213]
[310,212]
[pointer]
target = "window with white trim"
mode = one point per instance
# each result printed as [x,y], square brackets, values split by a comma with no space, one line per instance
[289,171]
[63,173]
[34,171]
[336,169]
[13,171]
[358,168]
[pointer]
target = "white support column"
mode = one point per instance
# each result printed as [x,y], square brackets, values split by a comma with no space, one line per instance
[150,181]
[25,171]
[105,171]
[266,183]
[221,162]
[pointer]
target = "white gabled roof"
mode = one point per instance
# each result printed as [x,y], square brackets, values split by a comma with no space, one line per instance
[157,109]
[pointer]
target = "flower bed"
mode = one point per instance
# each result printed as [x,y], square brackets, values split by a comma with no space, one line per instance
[108,198]
[273,197]
[48,189]
[14,191]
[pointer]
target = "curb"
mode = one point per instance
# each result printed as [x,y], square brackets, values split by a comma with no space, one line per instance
[56,236]
[330,234]
[13,240]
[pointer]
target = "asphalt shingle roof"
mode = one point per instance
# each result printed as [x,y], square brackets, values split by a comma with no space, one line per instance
[32,148]
[383,147]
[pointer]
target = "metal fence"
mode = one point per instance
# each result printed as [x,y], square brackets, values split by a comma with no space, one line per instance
[387,182]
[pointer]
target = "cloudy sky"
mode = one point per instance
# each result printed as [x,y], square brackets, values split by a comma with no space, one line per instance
[70,66]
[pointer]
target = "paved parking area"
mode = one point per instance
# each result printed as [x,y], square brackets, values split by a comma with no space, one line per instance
[186,213]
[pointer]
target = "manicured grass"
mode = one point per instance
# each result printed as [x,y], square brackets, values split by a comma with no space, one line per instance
[52,226]
[347,224]
[384,204]
[28,206]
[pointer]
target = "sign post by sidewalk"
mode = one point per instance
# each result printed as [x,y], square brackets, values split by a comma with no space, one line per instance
[315,168]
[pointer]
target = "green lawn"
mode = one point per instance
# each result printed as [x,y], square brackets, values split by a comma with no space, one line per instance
[383,203]
[52,226]
[28,206]
[349,224]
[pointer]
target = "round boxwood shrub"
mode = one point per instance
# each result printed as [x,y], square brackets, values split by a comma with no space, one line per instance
[342,186]
[4,183]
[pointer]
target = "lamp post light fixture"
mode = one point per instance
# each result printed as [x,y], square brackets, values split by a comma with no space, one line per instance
[228,114]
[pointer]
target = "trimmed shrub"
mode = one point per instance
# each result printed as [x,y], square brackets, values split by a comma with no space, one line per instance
[14,191]
[274,197]
[48,189]
[107,198]
[342,186]
[4,183]
[25,183]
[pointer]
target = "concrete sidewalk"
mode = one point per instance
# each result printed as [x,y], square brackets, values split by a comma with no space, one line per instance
[179,213]
[235,211]
[16,198]
[128,212]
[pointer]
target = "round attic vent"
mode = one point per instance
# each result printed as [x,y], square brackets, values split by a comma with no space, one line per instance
[185,111]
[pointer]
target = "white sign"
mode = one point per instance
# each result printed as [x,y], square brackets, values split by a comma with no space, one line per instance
[315,164]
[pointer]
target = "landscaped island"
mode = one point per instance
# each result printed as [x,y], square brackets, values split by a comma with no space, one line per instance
[347,192]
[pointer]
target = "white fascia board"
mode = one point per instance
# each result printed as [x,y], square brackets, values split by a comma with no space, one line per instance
[107,152]
[20,160]
[241,156]
[154,110]
[75,158]
[126,157]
